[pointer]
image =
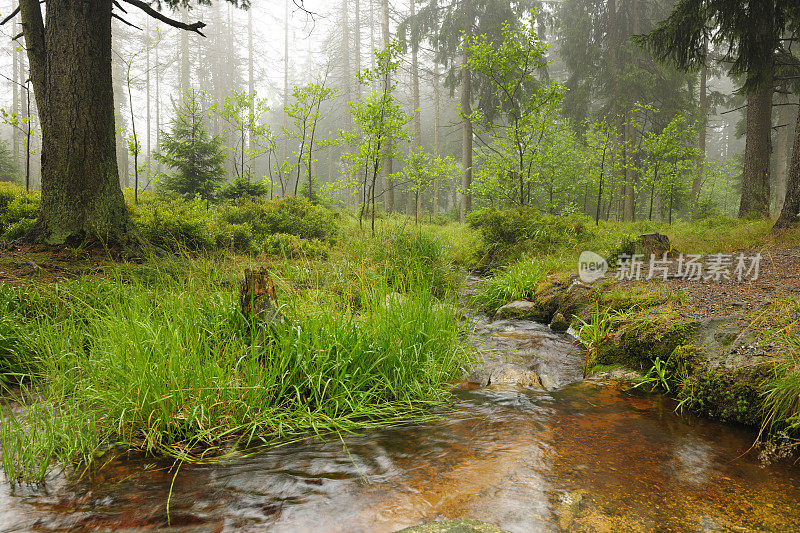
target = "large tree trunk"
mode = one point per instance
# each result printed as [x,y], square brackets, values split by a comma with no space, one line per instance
[755,179]
[790,214]
[71,69]
[466,109]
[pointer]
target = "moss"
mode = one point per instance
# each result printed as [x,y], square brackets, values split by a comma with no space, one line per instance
[638,342]
[727,395]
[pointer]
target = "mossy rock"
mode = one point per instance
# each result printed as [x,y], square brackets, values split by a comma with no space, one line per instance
[461,525]
[638,343]
[727,395]
[559,323]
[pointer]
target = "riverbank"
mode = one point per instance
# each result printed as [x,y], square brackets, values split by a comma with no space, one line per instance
[724,346]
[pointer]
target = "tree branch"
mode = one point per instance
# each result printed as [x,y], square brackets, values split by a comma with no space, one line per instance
[11,16]
[144,6]
[114,15]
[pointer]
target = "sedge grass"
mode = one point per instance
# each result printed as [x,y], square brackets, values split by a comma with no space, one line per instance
[167,365]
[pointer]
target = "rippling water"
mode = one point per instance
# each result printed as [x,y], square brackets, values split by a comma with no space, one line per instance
[589,456]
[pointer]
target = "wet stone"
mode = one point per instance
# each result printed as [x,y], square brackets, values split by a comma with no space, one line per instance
[463,525]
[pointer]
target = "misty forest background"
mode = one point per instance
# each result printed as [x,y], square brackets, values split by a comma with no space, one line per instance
[611,132]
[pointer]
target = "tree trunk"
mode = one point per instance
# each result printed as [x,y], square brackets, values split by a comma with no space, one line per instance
[387,162]
[71,70]
[629,201]
[185,82]
[701,133]
[466,110]
[786,120]
[357,44]
[755,179]
[16,88]
[436,119]
[346,50]
[790,213]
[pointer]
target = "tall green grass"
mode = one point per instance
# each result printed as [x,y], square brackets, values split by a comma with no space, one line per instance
[169,366]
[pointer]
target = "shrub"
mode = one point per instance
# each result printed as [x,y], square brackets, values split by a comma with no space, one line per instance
[237,237]
[243,188]
[291,246]
[18,211]
[176,223]
[289,215]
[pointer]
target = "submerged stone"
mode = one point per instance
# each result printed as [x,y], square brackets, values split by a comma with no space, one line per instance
[461,525]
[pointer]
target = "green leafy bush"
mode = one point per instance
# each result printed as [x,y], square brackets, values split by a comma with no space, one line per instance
[18,211]
[175,223]
[243,188]
[291,246]
[290,215]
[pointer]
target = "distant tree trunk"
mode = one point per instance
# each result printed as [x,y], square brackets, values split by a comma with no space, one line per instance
[70,65]
[701,131]
[346,50]
[629,198]
[790,213]
[755,179]
[16,89]
[285,145]
[436,119]
[185,81]
[251,87]
[417,139]
[147,98]
[466,109]
[387,162]
[357,43]
[783,146]
[158,106]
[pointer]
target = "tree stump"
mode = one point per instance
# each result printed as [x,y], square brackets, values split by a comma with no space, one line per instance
[257,298]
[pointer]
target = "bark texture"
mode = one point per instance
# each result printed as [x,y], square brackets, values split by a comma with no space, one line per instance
[755,179]
[790,214]
[71,70]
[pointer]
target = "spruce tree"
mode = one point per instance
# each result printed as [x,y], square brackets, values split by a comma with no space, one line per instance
[195,156]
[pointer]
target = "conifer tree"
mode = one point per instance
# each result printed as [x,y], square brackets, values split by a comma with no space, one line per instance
[194,155]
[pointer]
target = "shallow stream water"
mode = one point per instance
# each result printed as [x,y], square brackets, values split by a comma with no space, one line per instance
[584,456]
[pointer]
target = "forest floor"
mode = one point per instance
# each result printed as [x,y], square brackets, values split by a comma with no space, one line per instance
[22,262]
[778,277]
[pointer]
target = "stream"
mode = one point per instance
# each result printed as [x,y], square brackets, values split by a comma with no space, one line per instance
[586,455]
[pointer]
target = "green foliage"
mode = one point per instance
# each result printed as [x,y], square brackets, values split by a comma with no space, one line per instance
[18,211]
[288,215]
[169,367]
[176,223]
[194,155]
[243,188]
[411,259]
[293,247]
[9,170]
[242,111]
[515,282]
[509,231]
[530,110]
[305,114]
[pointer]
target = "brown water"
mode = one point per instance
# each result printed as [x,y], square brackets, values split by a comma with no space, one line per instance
[587,456]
